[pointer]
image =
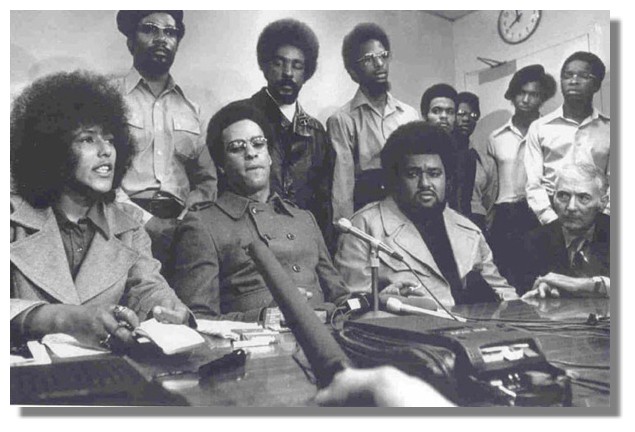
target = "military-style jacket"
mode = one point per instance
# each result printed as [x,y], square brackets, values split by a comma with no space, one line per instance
[216,278]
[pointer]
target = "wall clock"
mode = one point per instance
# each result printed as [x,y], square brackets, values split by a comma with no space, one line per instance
[516,26]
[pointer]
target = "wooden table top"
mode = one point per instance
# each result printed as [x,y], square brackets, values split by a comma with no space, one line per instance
[272,375]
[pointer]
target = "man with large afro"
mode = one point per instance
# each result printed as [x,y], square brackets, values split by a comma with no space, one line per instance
[301,152]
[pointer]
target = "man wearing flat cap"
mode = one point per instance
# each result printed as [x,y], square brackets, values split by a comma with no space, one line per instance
[574,133]
[172,170]
[301,152]
[528,90]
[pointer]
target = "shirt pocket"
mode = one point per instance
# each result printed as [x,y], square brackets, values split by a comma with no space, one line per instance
[186,132]
[140,136]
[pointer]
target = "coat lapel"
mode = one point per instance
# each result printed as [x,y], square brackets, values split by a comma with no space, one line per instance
[40,257]
[108,259]
[405,236]
[463,241]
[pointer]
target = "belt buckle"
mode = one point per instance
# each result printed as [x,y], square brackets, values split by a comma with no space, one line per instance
[161,196]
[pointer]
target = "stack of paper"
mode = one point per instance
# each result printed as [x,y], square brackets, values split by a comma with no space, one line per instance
[226,329]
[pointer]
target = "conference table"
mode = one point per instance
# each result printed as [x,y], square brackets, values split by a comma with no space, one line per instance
[278,375]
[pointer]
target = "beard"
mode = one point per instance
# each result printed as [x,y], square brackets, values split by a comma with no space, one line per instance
[148,63]
[417,212]
[375,88]
[287,98]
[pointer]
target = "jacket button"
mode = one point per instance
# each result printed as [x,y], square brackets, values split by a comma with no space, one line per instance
[291,236]
[296,268]
[254,210]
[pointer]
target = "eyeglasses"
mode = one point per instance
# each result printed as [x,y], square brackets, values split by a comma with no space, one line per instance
[472,115]
[240,145]
[580,75]
[155,31]
[372,58]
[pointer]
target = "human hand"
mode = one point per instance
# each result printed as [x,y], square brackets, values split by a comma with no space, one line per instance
[107,326]
[306,293]
[171,312]
[404,289]
[382,386]
[542,289]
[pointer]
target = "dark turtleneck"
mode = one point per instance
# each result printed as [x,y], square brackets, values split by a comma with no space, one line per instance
[431,226]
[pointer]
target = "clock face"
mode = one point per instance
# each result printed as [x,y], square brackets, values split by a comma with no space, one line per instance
[515,26]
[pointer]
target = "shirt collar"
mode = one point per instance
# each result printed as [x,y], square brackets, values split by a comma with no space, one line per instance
[595,114]
[361,99]
[134,78]
[509,125]
[96,215]
[236,205]
[569,238]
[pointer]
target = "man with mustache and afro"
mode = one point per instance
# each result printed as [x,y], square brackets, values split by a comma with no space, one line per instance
[301,152]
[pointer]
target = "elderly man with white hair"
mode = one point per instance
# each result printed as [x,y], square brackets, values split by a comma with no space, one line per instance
[571,255]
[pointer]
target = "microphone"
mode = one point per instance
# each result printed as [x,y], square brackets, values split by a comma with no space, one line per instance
[418,302]
[396,306]
[320,348]
[345,226]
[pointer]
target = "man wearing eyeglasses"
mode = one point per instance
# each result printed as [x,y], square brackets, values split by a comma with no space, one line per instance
[571,255]
[172,170]
[213,273]
[439,108]
[301,152]
[468,111]
[574,133]
[359,129]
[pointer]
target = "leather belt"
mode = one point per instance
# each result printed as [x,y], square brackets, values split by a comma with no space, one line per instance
[163,207]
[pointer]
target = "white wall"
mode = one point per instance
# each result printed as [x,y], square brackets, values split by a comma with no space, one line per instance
[216,62]
[558,33]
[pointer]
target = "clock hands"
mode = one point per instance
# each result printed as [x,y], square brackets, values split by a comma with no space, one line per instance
[527,23]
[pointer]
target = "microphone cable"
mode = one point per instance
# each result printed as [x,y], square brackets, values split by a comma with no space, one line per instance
[428,290]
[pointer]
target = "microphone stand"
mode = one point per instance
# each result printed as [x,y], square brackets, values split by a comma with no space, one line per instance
[374,277]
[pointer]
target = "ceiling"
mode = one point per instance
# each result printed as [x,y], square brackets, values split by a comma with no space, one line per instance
[450,15]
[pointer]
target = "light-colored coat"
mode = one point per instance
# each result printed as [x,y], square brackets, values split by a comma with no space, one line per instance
[117,269]
[386,222]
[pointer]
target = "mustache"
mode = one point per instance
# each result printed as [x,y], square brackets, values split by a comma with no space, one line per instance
[160,47]
[286,82]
